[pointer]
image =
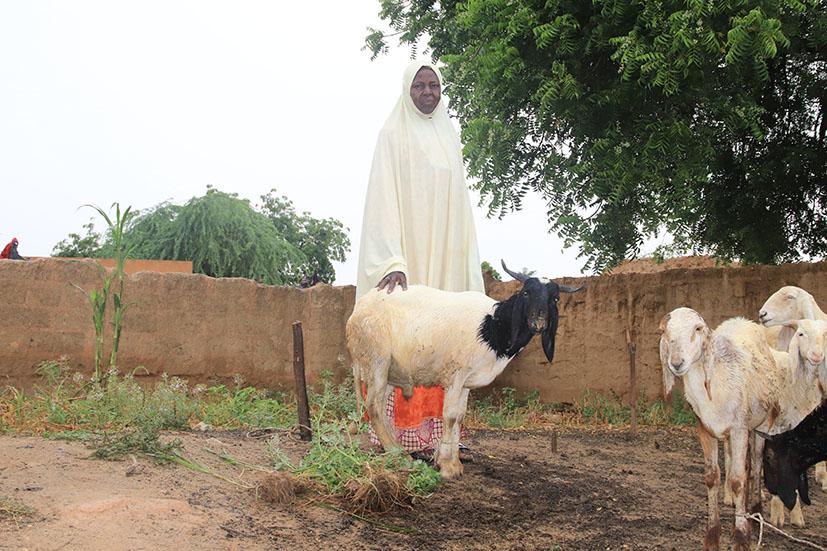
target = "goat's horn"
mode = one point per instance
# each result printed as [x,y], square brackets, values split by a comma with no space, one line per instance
[570,289]
[515,275]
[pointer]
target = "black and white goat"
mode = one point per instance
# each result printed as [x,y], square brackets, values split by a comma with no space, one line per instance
[460,341]
[788,455]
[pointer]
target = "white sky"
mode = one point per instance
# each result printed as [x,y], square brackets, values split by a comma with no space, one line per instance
[141,102]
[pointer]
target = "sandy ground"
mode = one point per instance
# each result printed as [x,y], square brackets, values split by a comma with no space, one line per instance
[599,491]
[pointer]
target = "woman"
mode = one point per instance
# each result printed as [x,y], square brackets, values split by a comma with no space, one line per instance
[418,226]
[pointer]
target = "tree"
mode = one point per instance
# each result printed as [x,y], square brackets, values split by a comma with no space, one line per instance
[701,117]
[225,236]
[321,241]
[487,267]
[76,246]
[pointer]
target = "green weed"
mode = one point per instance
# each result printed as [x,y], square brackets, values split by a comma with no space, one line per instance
[15,509]
[335,456]
[143,438]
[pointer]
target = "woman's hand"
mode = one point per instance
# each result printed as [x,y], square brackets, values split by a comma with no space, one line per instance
[392,280]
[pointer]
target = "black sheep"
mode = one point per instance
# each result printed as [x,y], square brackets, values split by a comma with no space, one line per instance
[788,455]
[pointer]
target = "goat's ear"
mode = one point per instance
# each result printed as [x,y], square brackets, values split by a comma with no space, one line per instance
[668,378]
[518,318]
[548,338]
[804,488]
[663,321]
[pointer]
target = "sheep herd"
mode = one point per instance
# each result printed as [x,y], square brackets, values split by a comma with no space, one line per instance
[748,383]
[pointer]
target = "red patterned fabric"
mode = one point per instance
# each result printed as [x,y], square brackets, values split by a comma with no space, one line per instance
[425,435]
[416,423]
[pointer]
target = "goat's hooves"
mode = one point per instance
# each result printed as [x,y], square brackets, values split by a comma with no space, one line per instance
[450,471]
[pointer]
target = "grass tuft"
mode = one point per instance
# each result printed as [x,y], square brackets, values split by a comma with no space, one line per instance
[15,510]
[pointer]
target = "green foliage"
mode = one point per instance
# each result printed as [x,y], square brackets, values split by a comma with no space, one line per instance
[335,456]
[76,246]
[702,118]
[14,509]
[601,409]
[142,438]
[486,267]
[247,406]
[225,236]
[73,406]
[99,298]
[504,410]
[321,241]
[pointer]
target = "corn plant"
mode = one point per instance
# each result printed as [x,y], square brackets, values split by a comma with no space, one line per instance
[100,298]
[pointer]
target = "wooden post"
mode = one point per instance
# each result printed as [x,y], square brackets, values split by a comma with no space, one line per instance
[554,441]
[632,381]
[301,385]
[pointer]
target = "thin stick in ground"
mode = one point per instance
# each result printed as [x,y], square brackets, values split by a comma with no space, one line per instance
[301,384]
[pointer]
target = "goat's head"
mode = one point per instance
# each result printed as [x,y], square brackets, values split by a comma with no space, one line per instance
[786,305]
[808,347]
[536,306]
[685,336]
[781,474]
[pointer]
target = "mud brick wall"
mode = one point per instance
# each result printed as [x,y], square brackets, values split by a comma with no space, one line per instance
[207,330]
[197,327]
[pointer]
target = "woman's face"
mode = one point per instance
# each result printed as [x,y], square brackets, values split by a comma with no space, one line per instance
[425,90]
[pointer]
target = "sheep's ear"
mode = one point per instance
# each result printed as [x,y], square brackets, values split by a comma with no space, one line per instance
[668,378]
[805,303]
[796,366]
[786,334]
[804,488]
[663,321]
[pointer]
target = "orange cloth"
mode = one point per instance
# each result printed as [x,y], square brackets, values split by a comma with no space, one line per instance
[427,401]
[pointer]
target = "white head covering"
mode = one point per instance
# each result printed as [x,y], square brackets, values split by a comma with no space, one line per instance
[418,218]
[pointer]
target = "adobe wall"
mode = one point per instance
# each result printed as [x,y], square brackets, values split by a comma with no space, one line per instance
[591,339]
[206,329]
[135,265]
[190,325]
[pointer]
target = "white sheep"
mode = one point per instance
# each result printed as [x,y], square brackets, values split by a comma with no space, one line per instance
[781,310]
[785,306]
[460,341]
[808,352]
[730,380]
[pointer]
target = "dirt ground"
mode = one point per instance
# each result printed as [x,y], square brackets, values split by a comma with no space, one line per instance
[600,491]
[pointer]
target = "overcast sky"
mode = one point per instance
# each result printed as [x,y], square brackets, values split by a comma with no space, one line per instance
[142,102]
